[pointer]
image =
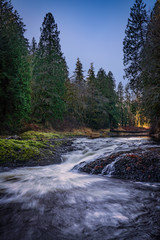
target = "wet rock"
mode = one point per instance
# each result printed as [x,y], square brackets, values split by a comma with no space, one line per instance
[138,165]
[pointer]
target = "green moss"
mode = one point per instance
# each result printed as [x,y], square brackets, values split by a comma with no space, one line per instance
[40,135]
[19,150]
[34,146]
[34,135]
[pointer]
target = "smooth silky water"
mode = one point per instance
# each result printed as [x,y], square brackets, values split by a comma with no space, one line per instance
[56,202]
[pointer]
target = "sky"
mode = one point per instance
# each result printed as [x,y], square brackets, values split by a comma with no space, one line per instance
[92,30]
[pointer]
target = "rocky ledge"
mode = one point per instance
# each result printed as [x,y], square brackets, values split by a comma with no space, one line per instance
[138,165]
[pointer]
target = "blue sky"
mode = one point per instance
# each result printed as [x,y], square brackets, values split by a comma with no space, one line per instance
[92,30]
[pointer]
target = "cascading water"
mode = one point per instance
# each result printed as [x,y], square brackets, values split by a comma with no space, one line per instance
[54,202]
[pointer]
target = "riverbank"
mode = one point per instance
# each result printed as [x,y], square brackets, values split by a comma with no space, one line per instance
[39,148]
[33,148]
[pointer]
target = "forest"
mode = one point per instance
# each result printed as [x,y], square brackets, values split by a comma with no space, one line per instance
[64,173]
[35,86]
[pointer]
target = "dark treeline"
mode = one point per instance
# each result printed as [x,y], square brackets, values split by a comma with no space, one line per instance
[35,84]
[141,48]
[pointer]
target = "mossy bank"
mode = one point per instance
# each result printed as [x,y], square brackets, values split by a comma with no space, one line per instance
[34,148]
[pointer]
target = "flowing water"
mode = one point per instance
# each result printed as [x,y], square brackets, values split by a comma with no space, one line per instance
[56,203]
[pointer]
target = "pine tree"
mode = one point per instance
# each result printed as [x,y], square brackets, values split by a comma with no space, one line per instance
[49,74]
[79,87]
[33,47]
[120,94]
[79,78]
[14,69]
[133,44]
[103,111]
[151,67]
[91,76]
[129,107]
[101,82]
[111,94]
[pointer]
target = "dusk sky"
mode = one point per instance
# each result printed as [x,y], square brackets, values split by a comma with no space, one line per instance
[92,30]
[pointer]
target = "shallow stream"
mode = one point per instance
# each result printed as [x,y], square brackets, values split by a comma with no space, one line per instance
[56,203]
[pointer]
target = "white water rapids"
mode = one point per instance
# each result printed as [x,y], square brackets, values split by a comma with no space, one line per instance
[54,202]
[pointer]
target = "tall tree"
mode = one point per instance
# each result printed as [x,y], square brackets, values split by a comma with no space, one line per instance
[151,67]
[79,78]
[91,76]
[133,44]
[33,47]
[49,74]
[79,89]
[101,82]
[129,107]
[103,103]
[113,111]
[120,93]
[14,69]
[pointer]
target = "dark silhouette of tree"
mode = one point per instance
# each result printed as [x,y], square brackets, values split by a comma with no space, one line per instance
[14,69]
[151,67]
[49,74]
[133,45]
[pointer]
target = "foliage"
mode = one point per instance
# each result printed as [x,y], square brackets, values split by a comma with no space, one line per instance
[49,75]
[33,47]
[91,102]
[133,44]
[151,66]
[78,73]
[101,100]
[77,92]
[14,69]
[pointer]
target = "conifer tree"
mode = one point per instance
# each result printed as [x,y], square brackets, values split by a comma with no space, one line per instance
[151,67]
[133,45]
[120,94]
[113,111]
[91,76]
[103,108]
[14,69]
[101,82]
[49,74]
[33,47]
[79,93]
[79,78]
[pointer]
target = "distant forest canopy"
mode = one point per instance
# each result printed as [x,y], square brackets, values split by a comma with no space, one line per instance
[35,86]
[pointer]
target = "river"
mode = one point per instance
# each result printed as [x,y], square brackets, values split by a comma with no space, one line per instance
[56,202]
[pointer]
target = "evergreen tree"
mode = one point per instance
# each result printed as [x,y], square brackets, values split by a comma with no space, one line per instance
[49,74]
[129,106]
[91,76]
[120,94]
[101,82]
[151,67]
[33,47]
[133,44]
[113,111]
[79,78]
[103,111]
[79,93]
[14,69]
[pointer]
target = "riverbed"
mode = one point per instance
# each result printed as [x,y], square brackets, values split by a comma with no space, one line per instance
[56,202]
